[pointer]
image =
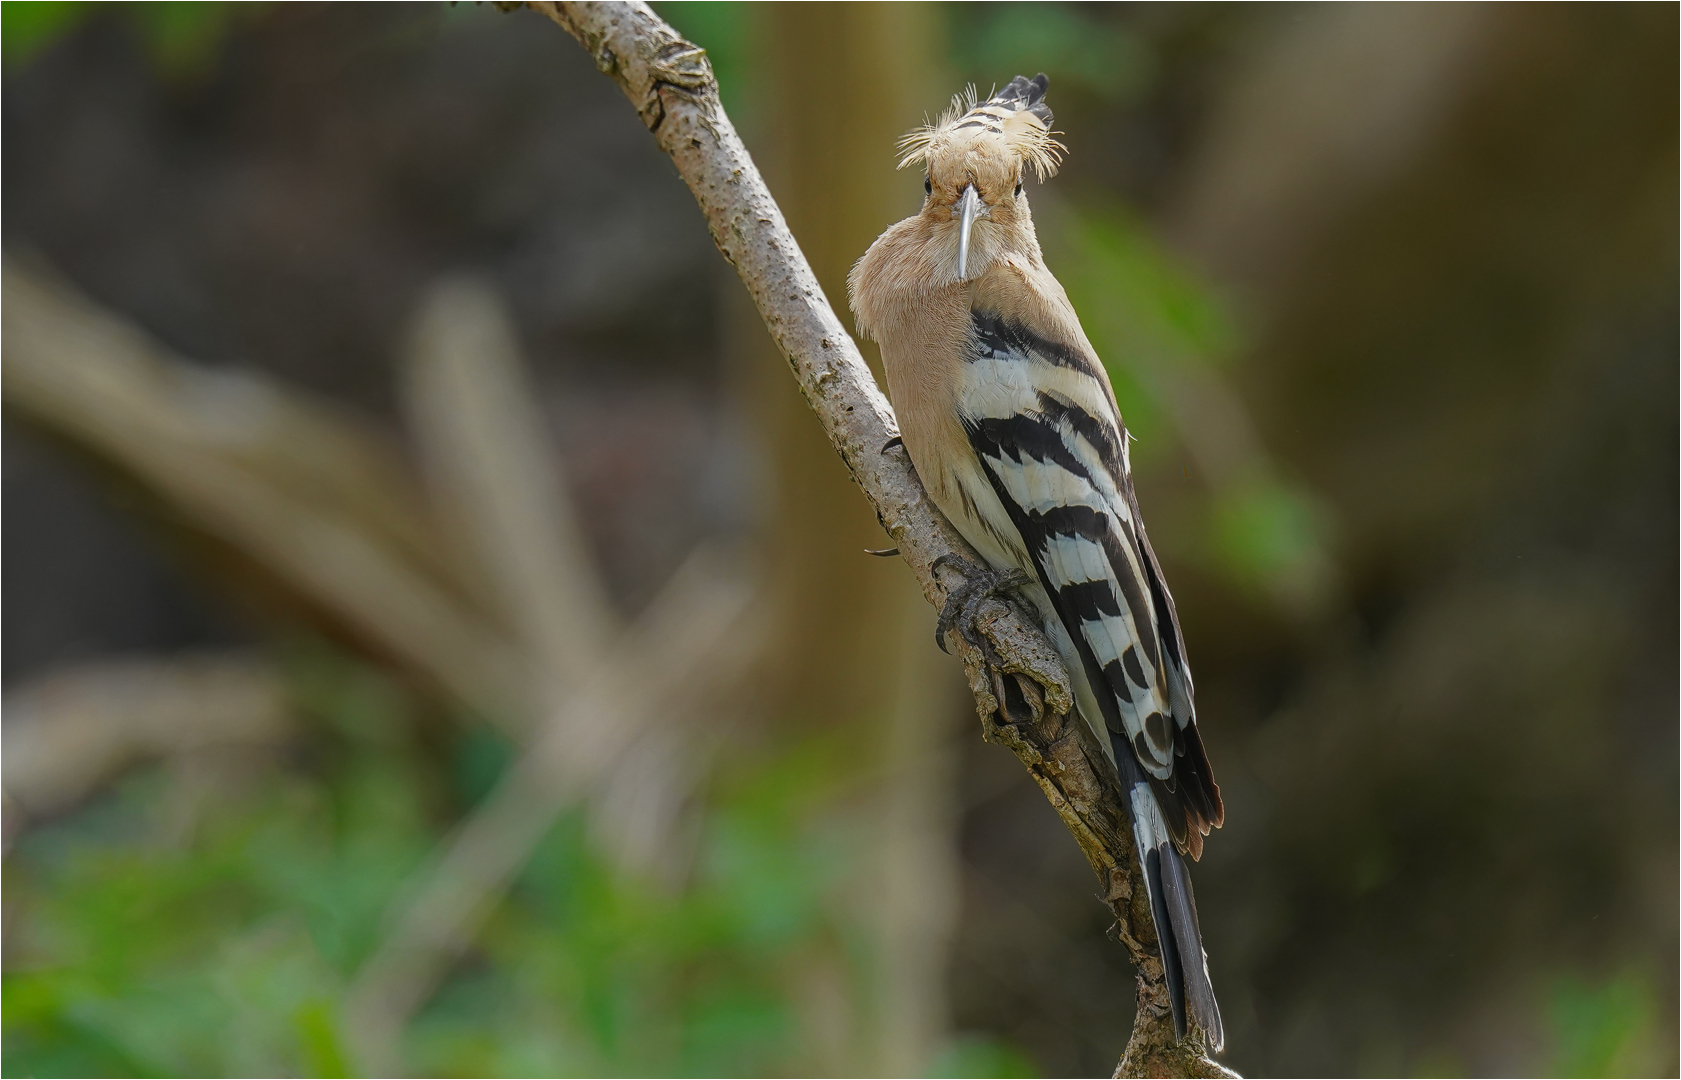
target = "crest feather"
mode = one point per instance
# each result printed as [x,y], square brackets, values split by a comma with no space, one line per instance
[1018,113]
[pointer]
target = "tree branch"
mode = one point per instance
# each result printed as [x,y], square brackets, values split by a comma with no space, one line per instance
[1021,690]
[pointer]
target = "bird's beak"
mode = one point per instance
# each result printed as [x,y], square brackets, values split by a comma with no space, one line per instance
[970,207]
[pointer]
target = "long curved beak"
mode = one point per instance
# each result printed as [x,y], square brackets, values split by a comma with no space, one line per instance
[970,207]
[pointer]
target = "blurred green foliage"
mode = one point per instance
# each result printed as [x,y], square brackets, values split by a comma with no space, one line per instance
[182,38]
[1144,311]
[1166,338]
[27,28]
[1609,1029]
[1270,536]
[1101,57]
[177,929]
[169,931]
[724,29]
[982,1057]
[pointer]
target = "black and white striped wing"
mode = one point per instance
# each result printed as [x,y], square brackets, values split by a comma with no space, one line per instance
[1041,419]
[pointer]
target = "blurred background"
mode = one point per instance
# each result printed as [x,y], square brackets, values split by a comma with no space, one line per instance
[437,637]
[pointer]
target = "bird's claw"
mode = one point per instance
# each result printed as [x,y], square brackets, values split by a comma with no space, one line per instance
[979,583]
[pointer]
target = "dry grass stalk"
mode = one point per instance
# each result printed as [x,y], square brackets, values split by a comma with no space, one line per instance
[72,730]
[609,728]
[304,492]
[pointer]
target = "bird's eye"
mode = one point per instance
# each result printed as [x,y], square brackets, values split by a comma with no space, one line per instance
[1018,187]
[928,185]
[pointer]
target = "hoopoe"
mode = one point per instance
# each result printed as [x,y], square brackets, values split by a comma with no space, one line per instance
[1012,425]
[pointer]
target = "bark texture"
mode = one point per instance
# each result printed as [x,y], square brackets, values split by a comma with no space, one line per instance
[1020,686]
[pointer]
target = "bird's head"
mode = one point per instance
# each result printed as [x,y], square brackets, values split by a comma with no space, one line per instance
[977,156]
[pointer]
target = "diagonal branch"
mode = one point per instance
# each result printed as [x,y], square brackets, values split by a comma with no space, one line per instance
[1021,691]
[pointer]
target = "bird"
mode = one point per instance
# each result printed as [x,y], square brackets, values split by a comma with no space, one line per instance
[1011,424]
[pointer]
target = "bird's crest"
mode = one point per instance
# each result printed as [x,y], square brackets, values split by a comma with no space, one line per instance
[1017,114]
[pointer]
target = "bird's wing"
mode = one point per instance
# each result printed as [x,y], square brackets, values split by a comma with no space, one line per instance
[1041,419]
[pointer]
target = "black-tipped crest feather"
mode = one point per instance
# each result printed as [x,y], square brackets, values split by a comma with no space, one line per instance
[1027,94]
[1017,114]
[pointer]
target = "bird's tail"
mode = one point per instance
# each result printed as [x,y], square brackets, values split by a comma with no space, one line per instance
[1174,909]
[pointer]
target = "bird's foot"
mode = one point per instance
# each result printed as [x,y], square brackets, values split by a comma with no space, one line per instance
[979,583]
[973,608]
[1014,672]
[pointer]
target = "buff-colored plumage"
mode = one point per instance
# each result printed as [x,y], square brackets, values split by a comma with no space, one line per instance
[1012,425]
[905,289]
[1027,135]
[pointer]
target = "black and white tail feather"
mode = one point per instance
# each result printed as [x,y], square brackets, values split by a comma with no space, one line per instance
[1051,458]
